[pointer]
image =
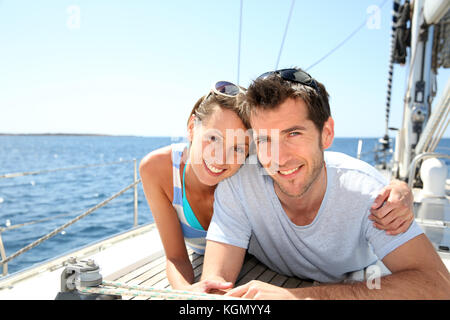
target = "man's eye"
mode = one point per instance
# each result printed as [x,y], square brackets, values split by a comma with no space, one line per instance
[261,140]
[294,133]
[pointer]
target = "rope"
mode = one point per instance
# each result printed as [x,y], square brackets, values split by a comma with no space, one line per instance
[285,33]
[59,229]
[119,288]
[21,174]
[343,41]
[442,129]
[17,226]
[438,132]
[133,293]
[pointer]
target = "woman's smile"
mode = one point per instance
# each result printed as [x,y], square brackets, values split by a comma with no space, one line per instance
[213,170]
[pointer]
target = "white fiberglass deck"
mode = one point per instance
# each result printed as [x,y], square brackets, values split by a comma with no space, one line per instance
[136,259]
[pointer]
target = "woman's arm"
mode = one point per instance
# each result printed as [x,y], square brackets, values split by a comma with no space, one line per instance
[156,173]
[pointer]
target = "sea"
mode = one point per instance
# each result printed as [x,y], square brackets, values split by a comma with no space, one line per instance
[33,205]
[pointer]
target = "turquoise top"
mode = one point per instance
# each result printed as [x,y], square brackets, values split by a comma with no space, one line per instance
[194,235]
[188,212]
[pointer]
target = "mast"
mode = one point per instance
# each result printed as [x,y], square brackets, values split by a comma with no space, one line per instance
[420,91]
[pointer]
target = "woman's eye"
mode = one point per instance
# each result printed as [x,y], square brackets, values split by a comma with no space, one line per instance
[239,149]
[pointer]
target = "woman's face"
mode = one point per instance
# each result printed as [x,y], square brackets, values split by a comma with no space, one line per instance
[219,146]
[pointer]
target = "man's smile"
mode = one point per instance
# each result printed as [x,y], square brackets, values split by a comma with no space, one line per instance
[290,172]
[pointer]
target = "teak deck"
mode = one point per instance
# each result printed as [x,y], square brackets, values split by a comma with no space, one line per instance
[151,271]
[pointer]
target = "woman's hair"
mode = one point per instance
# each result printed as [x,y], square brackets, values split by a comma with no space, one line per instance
[203,108]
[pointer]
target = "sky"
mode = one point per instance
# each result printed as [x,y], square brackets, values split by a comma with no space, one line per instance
[137,67]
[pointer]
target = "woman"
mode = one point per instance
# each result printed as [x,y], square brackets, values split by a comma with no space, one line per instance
[179,180]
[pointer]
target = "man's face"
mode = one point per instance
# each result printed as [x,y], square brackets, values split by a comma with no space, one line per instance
[290,147]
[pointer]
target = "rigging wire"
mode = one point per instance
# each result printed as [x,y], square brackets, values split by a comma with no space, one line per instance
[343,41]
[239,43]
[285,33]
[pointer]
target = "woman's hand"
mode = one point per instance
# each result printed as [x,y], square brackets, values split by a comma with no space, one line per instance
[210,286]
[260,291]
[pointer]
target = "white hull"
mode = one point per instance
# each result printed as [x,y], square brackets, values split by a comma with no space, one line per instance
[43,282]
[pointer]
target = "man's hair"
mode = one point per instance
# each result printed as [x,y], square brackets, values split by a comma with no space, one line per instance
[270,92]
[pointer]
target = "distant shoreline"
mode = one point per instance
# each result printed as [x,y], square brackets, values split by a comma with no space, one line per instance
[79,135]
[119,135]
[56,134]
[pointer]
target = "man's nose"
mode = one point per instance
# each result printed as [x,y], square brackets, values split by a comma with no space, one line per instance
[281,155]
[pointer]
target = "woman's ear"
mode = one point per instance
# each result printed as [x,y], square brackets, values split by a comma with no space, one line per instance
[328,133]
[190,128]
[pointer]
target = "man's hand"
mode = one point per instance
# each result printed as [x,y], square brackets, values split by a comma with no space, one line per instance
[392,209]
[210,286]
[260,291]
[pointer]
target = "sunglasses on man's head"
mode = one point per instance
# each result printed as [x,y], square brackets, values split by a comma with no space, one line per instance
[293,75]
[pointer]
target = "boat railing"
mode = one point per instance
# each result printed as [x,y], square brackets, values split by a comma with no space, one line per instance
[423,156]
[5,259]
[381,153]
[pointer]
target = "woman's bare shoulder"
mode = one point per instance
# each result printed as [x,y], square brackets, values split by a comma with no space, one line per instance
[157,163]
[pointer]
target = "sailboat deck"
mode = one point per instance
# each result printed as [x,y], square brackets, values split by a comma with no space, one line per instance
[151,272]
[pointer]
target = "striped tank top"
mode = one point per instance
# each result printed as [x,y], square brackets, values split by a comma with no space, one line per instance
[194,234]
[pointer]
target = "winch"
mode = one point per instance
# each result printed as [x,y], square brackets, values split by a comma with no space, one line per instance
[81,274]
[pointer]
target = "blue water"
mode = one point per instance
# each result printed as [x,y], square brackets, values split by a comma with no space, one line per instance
[35,197]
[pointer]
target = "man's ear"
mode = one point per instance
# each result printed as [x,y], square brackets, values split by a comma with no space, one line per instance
[190,128]
[328,133]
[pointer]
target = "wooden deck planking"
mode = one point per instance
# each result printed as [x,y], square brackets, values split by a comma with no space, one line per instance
[267,275]
[253,273]
[152,272]
[141,272]
[278,280]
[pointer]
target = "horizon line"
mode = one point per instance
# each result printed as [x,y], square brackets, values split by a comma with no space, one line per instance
[135,135]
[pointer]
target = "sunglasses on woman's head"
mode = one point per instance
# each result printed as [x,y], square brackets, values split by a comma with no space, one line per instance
[225,88]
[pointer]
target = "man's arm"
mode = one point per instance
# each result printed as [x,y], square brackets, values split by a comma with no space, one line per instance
[222,262]
[417,273]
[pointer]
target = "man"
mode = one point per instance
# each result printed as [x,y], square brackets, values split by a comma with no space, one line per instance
[305,212]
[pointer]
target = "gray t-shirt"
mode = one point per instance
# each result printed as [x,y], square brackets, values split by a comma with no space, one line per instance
[340,240]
